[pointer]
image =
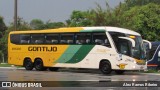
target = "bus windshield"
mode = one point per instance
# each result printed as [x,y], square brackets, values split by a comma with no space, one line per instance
[138,51]
[125,47]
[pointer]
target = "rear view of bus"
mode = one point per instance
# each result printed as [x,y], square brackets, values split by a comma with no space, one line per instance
[105,48]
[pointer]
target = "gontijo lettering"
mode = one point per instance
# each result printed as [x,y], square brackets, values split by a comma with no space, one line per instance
[48,49]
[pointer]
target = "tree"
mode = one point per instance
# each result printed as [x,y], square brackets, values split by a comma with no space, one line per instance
[21,25]
[2,27]
[132,3]
[3,47]
[79,18]
[145,20]
[37,24]
[51,25]
[2,31]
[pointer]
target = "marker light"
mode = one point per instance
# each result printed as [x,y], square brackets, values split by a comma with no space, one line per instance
[132,37]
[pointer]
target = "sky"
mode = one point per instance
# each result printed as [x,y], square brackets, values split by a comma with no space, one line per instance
[54,10]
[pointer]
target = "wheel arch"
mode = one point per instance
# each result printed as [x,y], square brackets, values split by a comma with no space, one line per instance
[26,59]
[37,59]
[103,61]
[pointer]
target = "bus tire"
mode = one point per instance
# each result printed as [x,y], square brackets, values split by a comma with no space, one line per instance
[119,71]
[53,68]
[38,64]
[28,64]
[105,67]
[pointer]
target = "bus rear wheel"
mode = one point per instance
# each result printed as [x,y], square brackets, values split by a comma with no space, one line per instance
[38,64]
[119,71]
[28,64]
[105,67]
[53,68]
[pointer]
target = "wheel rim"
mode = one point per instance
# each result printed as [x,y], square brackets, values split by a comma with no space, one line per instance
[28,65]
[38,65]
[105,68]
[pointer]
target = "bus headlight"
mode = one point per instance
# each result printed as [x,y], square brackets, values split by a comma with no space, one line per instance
[134,66]
[133,80]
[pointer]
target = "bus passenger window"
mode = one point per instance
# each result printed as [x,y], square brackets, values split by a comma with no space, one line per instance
[52,38]
[83,38]
[24,39]
[69,41]
[63,41]
[67,38]
[88,41]
[37,39]
[100,39]
[54,41]
[15,38]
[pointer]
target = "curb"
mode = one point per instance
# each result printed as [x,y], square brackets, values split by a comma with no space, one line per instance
[151,73]
[6,67]
[11,68]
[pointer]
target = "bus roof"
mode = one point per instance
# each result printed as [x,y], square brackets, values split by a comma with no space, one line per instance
[114,29]
[81,29]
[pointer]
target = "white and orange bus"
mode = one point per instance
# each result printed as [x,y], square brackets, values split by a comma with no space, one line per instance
[105,48]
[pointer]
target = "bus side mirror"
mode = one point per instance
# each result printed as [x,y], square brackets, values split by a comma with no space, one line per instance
[129,39]
[149,43]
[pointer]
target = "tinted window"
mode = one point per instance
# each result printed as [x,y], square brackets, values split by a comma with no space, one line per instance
[52,38]
[15,38]
[67,39]
[100,39]
[83,38]
[115,36]
[123,47]
[37,39]
[24,39]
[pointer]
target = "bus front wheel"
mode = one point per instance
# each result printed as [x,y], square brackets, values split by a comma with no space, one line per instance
[105,67]
[28,64]
[38,64]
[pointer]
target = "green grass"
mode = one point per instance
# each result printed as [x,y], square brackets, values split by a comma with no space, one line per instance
[152,71]
[8,65]
[5,65]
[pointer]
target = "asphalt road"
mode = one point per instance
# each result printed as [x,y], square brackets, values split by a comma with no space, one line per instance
[68,79]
